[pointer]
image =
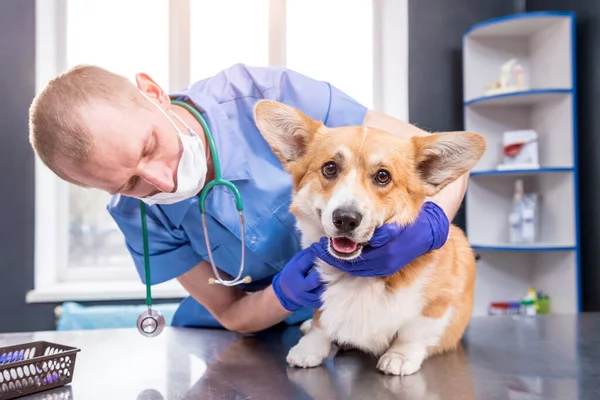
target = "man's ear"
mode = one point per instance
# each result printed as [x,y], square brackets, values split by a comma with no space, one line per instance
[153,90]
[287,130]
[443,157]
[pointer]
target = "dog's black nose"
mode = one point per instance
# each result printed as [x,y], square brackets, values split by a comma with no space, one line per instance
[346,219]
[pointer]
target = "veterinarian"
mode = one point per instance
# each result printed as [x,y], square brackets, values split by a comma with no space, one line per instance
[96,129]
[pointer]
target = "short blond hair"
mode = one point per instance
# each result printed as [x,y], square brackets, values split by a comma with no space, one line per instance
[56,130]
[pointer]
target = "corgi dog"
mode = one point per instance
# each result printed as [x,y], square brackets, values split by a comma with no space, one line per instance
[425,307]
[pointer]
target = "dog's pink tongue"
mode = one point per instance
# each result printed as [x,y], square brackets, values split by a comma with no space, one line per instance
[343,245]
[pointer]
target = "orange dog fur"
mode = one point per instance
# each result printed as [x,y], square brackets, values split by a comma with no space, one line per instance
[425,307]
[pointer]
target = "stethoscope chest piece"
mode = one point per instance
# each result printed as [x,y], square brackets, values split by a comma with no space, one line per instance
[151,323]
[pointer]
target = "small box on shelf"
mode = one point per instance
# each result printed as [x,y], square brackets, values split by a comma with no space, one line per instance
[520,150]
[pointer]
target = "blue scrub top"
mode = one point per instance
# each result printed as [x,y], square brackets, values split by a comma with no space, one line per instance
[175,234]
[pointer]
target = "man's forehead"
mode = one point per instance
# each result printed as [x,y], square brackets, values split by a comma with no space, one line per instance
[107,121]
[109,164]
[118,136]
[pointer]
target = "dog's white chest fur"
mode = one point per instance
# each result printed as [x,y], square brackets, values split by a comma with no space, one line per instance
[363,313]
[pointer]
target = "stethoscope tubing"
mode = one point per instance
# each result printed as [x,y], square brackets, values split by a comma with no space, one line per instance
[151,322]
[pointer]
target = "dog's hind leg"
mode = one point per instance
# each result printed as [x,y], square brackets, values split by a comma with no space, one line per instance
[306,326]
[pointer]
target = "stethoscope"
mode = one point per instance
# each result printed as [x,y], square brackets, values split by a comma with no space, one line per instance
[151,322]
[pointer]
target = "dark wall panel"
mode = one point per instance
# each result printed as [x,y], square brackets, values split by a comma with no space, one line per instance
[435,59]
[17,63]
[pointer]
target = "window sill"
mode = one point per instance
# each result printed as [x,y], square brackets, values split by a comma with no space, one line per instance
[103,291]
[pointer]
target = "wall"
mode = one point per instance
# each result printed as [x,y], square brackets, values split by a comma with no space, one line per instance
[435,59]
[587,15]
[17,61]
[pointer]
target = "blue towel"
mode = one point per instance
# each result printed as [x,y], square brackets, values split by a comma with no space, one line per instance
[78,317]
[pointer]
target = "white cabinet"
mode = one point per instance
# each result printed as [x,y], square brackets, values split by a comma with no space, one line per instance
[544,44]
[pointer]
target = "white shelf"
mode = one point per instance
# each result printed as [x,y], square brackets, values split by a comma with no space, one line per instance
[530,248]
[538,40]
[551,116]
[518,98]
[517,26]
[506,276]
[544,44]
[489,202]
[521,172]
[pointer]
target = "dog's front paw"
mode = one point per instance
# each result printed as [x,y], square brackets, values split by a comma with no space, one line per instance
[310,351]
[398,362]
[303,358]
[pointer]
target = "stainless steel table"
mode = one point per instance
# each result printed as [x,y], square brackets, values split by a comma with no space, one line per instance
[547,357]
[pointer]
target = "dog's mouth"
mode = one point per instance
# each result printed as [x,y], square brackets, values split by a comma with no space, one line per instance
[344,248]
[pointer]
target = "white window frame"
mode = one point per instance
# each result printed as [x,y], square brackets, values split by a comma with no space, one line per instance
[53,280]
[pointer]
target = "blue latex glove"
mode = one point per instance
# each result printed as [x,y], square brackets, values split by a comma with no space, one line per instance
[295,286]
[392,247]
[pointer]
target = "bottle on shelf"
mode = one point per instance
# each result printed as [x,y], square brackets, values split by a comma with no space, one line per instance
[529,303]
[523,217]
[529,218]
[515,218]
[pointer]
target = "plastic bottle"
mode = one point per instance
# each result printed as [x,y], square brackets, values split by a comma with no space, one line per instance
[515,219]
[528,307]
[529,218]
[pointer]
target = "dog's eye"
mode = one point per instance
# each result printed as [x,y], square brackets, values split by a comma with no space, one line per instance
[383,177]
[329,169]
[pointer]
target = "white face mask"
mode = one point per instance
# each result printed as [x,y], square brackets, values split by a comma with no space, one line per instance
[192,168]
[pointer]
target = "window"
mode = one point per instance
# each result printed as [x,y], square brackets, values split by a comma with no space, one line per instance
[334,46]
[226,32]
[80,252]
[136,42]
[124,36]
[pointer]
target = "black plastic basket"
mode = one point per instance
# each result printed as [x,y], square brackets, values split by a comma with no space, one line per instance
[35,367]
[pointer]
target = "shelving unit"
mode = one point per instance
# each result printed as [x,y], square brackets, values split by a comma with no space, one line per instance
[544,44]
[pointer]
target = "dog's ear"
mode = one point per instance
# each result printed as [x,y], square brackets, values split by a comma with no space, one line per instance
[443,157]
[287,130]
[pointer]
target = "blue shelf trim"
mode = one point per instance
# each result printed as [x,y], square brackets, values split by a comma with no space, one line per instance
[576,160]
[517,94]
[524,249]
[523,171]
[526,15]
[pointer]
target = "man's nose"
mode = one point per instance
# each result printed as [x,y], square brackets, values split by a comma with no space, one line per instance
[160,176]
